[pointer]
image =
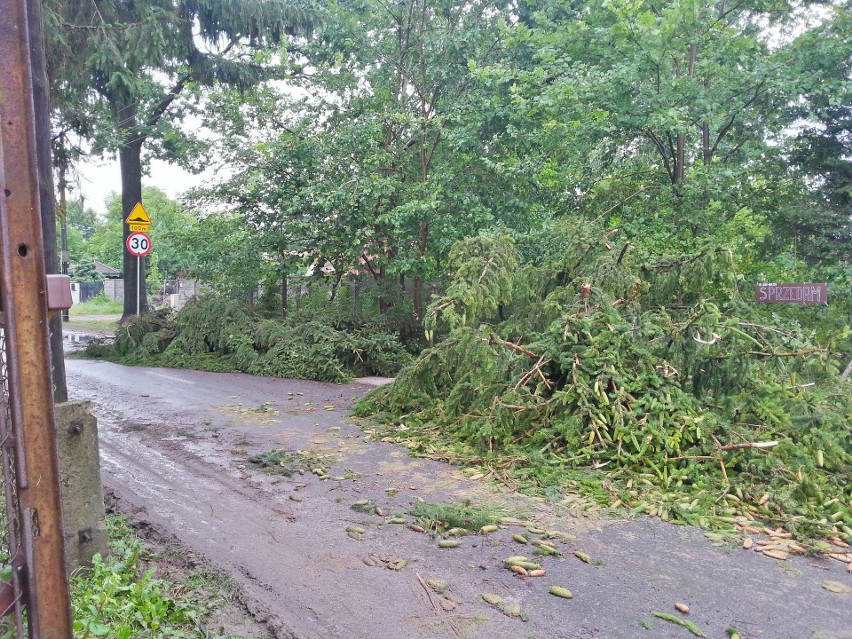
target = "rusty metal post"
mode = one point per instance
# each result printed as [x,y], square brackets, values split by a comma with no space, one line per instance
[23,297]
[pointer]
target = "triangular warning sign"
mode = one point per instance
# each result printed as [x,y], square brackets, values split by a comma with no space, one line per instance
[138,215]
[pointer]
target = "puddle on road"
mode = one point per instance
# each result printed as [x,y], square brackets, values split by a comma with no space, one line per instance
[76,342]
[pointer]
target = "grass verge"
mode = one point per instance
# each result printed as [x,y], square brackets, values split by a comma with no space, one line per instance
[105,325]
[99,305]
[138,593]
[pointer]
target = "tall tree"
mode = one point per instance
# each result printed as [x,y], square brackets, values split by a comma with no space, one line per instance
[822,148]
[662,116]
[138,58]
[379,167]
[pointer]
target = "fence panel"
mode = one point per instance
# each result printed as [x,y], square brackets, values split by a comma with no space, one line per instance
[88,291]
[11,556]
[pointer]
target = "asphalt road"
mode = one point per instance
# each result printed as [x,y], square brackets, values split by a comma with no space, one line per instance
[174,447]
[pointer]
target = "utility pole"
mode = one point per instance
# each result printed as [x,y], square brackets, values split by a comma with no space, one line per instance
[62,211]
[41,103]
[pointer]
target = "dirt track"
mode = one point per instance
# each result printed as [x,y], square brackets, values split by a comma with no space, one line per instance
[174,447]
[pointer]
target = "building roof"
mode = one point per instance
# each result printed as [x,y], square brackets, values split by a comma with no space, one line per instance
[105,269]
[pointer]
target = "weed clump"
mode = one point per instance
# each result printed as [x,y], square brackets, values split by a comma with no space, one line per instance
[278,461]
[123,597]
[443,517]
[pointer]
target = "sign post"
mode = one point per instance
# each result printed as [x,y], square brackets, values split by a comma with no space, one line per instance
[138,244]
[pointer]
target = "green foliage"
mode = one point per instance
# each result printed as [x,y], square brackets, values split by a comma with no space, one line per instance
[316,350]
[80,225]
[170,257]
[442,517]
[120,599]
[82,219]
[378,169]
[116,601]
[144,336]
[98,305]
[85,272]
[276,460]
[652,369]
[225,254]
[131,63]
[124,597]
[106,242]
[484,277]
[170,222]
[220,334]
[212,324]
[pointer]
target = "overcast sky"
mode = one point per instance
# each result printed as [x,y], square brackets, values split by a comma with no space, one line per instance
[99,178]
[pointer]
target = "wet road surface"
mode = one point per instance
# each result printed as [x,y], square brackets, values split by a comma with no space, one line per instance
[174,445]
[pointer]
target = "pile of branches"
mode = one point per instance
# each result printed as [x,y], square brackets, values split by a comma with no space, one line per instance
[216,333]
[655,376]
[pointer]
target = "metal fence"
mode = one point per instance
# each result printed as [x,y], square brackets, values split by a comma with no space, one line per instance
[88,291]
[13,622]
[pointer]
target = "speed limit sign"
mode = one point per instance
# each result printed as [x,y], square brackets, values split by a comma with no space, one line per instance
[138,244]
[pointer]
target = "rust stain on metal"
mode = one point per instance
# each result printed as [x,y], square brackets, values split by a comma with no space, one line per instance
[22,293]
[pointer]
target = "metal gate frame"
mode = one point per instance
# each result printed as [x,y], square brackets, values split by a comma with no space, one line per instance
[39,582]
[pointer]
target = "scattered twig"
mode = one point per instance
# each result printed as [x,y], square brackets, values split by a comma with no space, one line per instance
[804,351]
[768,444]
[485,270]
[766,328]
[520,349]
[715,337]
[623,252]
[680,622]
[529,374]
[437,607]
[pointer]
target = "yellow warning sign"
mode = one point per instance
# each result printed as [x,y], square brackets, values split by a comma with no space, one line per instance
[138,216]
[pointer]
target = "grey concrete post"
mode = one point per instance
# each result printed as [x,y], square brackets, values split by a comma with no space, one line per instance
[81,490]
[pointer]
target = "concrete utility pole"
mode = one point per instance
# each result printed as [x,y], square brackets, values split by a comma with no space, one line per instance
[35,532]
[41,103]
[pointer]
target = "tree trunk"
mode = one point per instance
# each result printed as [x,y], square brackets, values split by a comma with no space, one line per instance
[418,298]
[680,158]
[418,279]
[680,150]
[130,161]
[284,297]
[62,212]
[384,306]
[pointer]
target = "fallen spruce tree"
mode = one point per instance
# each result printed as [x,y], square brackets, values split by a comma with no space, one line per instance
[652,384]
[215,333]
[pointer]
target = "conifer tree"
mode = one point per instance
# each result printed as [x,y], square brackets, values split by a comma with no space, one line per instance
[132,61]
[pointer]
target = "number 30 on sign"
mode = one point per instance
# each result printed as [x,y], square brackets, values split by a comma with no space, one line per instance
[138,244]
